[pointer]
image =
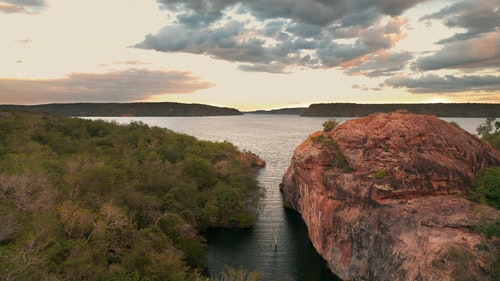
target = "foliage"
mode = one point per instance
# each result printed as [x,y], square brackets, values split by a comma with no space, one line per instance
[379,174]
[93,200]
[491,229]
[461,259]
[231,274]
[454,123]
[486,187]
[488,133]
[329,124]
[325,141]
[486,224]
[340,162]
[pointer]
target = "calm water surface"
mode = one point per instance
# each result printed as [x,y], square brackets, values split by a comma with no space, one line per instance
[273,138]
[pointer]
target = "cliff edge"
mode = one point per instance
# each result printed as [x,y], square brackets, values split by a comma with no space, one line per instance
[383,198]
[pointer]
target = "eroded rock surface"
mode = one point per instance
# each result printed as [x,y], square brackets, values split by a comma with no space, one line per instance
[383,198]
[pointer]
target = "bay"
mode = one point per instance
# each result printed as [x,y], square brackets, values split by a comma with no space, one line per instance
[273,138]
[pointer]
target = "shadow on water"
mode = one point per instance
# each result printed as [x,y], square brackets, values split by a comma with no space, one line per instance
[294,258]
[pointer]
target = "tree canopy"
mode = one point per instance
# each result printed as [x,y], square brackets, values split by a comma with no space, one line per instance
[94,200]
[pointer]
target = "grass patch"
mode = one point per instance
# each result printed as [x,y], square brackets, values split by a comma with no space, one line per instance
[379,174]
[340,162]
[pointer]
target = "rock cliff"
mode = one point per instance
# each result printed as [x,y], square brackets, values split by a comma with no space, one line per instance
[382,197]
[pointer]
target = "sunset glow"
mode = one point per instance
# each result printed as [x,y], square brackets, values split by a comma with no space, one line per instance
[250,54]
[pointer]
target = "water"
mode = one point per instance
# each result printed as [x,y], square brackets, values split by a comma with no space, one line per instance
[273,138]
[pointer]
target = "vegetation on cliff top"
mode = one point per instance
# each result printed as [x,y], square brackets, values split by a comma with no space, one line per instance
[92,200]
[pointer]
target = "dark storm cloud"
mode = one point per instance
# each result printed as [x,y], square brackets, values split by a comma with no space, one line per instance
[199,6]
[22,6]
[326,12]
[197,13]
[293,32]
[446,84]
[120,86]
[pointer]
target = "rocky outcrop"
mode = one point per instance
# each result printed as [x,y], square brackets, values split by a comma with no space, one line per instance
[383,198]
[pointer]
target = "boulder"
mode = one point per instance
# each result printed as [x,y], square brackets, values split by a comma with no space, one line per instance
[383,198]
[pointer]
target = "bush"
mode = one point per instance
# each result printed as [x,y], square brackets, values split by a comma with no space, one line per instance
[490,134]
[232,274]
[486,187]
[329,124]
[340,162]
[379,174]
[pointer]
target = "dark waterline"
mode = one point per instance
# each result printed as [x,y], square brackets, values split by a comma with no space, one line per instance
[273,138]
[234,245]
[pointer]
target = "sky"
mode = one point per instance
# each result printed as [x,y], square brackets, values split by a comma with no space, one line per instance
[249,55]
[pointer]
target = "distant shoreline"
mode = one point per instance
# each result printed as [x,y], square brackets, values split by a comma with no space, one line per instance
[147,109]
[477,110]
[139,109]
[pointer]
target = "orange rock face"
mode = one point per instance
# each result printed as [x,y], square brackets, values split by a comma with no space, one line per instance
[382,197]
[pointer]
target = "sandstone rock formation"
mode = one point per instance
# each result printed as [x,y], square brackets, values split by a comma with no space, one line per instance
[383,198]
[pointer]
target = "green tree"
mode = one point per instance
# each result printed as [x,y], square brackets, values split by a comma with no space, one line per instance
[490,131]
[486,187]
[329,124]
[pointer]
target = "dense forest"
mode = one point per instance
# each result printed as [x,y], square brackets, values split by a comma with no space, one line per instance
[438,109]
[126,109]
[93,200]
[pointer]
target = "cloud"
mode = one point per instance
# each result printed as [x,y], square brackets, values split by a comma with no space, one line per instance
[281,33]
[381,64]
[476,17]
[364,87]
[483,51]
[22,6]
[23,41]
[120,86]
[477,47]
[125,62]
[447,84]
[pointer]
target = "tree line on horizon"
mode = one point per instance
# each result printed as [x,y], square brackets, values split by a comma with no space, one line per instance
[126,109]
[314,110]
[479,110]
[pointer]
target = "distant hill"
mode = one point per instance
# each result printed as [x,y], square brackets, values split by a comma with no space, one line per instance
[293,111]
[438,109]
[127,109]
